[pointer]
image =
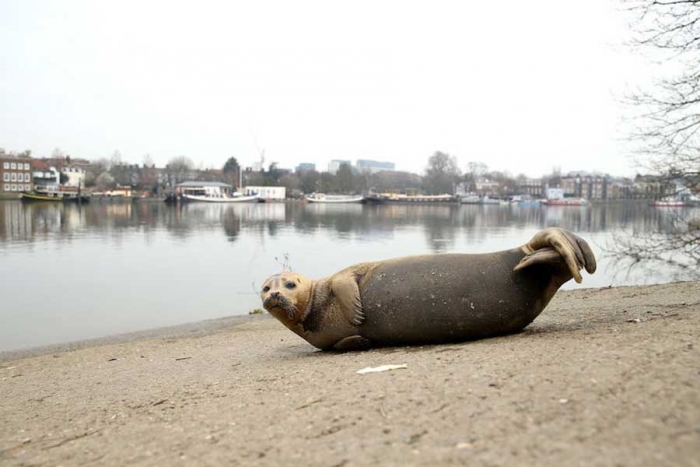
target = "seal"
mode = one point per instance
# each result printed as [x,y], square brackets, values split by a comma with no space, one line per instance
[429,299]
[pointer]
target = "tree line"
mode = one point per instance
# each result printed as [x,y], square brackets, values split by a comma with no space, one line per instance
[442,175]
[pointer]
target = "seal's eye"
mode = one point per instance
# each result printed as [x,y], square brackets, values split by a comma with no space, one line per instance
[290,285]
[266,288]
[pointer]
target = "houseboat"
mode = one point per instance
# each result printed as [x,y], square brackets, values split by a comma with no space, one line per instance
[212,192]
[476,199]
[400,198]
[333,199]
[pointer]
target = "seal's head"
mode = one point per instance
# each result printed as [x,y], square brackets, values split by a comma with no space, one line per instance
[287,296]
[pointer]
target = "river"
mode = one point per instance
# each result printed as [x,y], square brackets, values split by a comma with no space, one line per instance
[71,272]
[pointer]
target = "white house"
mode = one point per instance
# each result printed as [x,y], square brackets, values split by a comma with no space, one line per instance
[75,175]
[266,192]
[555,193]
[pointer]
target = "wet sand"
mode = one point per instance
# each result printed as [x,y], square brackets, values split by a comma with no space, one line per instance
[604,377]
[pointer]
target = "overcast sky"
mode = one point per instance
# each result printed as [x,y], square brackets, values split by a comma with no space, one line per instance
[520,85]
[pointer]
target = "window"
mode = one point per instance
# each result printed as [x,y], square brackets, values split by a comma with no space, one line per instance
[14,187]
[27,188]
[13,165]
[26,177]
[26,166]
[5,165]
[6,187]
[6,177]
[13,177]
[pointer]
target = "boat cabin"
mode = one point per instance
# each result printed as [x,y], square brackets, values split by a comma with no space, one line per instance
[208,189]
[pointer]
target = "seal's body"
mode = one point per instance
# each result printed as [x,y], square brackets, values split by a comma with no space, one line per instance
[466,297]
[428,299]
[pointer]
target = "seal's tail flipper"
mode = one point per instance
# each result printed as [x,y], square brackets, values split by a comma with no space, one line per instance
[573,250]
[541,256]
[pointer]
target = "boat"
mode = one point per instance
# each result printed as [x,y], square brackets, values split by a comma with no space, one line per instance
[219,198]
[424,199]
[470,199]
[334,199]
[34,196]
[487,200]
[54,195]
[669,203]
[524,200]
[531,202]
[210,192]
[566,202]
[476,199]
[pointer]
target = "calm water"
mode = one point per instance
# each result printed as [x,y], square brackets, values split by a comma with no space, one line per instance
[70,272]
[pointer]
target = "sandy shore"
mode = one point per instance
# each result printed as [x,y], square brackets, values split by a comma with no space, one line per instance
[607,377]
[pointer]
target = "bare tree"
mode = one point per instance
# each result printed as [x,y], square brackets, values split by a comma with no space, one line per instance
[667,115]
[179,168]
[474,171]
[104,181]
[148,178]
[441,174]
[344,178]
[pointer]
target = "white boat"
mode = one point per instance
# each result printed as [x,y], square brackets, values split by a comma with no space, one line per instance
[219,198]
[333,199]
[526,200]
[470,199]
[211,192]
[487,200]
[669,203]
[476,199]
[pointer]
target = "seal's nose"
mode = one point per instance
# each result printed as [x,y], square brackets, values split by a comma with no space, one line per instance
[274,294]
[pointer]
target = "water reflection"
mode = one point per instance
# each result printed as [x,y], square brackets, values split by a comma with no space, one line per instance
[441,224]
[73,272]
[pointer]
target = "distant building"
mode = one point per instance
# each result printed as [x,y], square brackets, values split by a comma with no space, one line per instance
[372,167]
[335,164]
[621,188]
[306,167]
[45,177]
[530,186]
[588,186]
[16,176]
[555,193]
[485,186]
[648,186]
[117,192]
[75,176]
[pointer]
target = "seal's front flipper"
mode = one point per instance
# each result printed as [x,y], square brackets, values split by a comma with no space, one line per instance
[352,343]
[541,256]
[347,292]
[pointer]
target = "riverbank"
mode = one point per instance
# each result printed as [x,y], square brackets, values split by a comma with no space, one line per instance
[603,377]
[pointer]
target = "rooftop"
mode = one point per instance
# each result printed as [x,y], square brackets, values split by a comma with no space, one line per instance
[198,184]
